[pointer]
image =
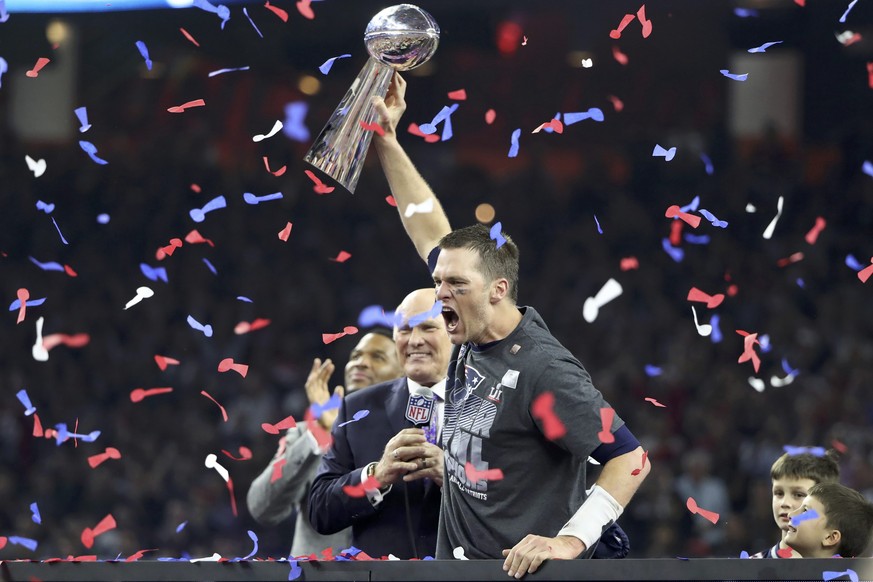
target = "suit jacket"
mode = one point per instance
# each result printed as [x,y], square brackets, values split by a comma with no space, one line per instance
[270,503]
[384,529]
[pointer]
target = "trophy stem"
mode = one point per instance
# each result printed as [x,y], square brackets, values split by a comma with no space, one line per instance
[341,147]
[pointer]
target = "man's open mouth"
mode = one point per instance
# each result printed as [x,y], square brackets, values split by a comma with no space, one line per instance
[451,318]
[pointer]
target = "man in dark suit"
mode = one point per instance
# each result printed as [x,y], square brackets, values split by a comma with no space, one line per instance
[383,473]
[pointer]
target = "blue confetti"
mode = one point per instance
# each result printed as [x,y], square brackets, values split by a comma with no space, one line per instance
[853,263]
[351,551]
[254,551]
[245,299]
[653,371]
[691,206]
[675,253]
[800,283]
[495,234]
[294,128]
[181,526]
[716,335]
[356,417]
[333,403]
[47,208]
[827,575]
[29,303]
[50,266]
[4,16]
[36,517]
[26,542]
[549,129]
[223,71]
[815,451]
[62,434]
[206,329]
[433,313]
[730,75]
[806,515]
[246,12]
[696,239]
[58,228]
[513,148]
[746,12]
[711,218]
[296,570]
[90,149]
[82,114]
[766,346]
[144,51]
[787,368]
[326,65]
[444,116]
[708,163]
[4,66]
[666,154]
[764,47]
[375,315]
[154,273]
[867,168]
[849,9]
[22,396]
[744,555]
[597,222]
[199,214]
[103,218]
[222,11]
[594,113]
[210,266]
[252,199]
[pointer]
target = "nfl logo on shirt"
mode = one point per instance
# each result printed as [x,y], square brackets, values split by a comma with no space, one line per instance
[419,408]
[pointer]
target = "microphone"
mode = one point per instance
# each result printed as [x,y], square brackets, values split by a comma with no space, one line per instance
[420,406]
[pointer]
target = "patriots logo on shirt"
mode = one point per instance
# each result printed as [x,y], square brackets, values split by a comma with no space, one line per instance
[473,377]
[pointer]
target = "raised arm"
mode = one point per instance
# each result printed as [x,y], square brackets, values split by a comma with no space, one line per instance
[425,229]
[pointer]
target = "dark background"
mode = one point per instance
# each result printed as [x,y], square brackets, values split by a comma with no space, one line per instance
[716,437]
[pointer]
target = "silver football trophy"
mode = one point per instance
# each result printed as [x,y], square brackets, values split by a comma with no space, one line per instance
[398,38]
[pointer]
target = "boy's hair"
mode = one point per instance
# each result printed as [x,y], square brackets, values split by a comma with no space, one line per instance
[821,469]
[494,262]
[849,512]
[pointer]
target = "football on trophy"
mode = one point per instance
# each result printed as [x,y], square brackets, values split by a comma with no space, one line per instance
[402,37]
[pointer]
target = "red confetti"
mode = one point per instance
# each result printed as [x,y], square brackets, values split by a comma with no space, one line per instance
[415,130]
[475,475]
[320,187]
[490,116]
[223,411]
[541,409]
[285,424]
[693,508]
[459,95]
[360,489]
[616,33]
[390,200]
[23,295]
[169,249]
[800,2]
[606,416]
[322,436]
[232,496]
[3,541]
[195,237]
[69,271]
[277,11]
[71,341]
[342,257]
[795,257]
[674,211]
[785,552]
[303,6]
[285,232]
[812,235]
[619,56]
[245,327]
[164,361]
[278,172]
[37,426]
[196,188]
[839,446]
[138,554]
[138,394]
[228,364]
[617,103]
[647,24]
[99,458]
[870,75]
[712,301]
[40,63]
[655,402]
[245,454]
[629,263]
[188,105]
[372,127]
[277,470]
[732,290]
[554,124]
[865,274]
[749,353]
[676,232]
[88,534]
[636,472]
[189,37]
[328,338]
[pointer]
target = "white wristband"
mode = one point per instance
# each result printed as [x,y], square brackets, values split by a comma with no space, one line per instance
[599,509]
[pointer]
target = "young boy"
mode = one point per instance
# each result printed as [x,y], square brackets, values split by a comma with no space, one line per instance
[792,477]
[832,520]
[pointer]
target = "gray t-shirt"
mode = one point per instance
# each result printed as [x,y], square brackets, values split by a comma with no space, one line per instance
[488,423]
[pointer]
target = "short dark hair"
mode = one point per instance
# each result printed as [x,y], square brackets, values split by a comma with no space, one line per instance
[821,469]
[383,331]
[849,512]
[494,262]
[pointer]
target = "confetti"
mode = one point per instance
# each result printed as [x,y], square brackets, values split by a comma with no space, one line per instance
[768,232]
[496,234]
[645,456]
[785,552]
[40,63]
[423,208]
[169,249]
[295,114]
[245,454]
[652,371]
[459,95]
[702,239]
[619,56]
[356,417]
[164,361]
[375,315]
[606,417]
[444,117]
[690,219]
[805,516]
[326,65]
[693,508]
[420,318]
[666,154]
[629,264]
[58,228]
[206,329]
[138,394]
[342,257]
[490,116]
[103,218]
[712,301]
[73,341]
[154,273]
[245,327]
[252,199]
[277,469]
[223,71]
[199,214]
[647,24]
[865,274]
[278,172]
[333,403]
[38,351]
[228,364]
[223,12]
[254,551]
[25,401]
[276,128]
[285,232]
[361,489]
[141,293]
[654,402]
[223,411]
[513,148]
[195,237]
[828,575]
[707,164]
[181,108]
[793,258]
[62,434]
[849,9]
[764,47]
[90,149]
[320,187]
[374,127]
[189,37]
[711,218]
[615,34]
[328,338]
[305,9]
[38,168]
[284,424]
[554,124]
[4,66]
[26,542]
[704,329]
[819,226]
[691,206]
[730,75]
[415,130]
[144,51]
[594,114]
[35,511]
[50,266]
[867,166]
[296,570]
[211,462]
[749,354]
[848,38]
[476,475]
[617,103]
[542,409]
[278,12]
[252,22]
[610,290]
[95,461]
[815,451]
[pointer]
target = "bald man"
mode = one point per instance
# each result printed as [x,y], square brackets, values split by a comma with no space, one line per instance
[400,515]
